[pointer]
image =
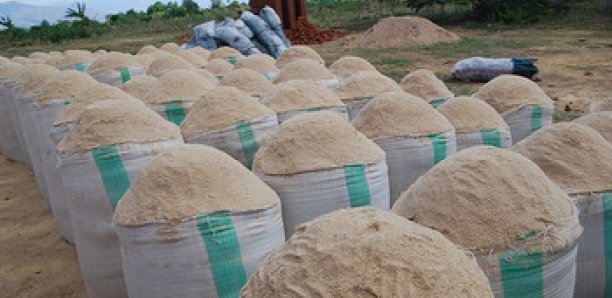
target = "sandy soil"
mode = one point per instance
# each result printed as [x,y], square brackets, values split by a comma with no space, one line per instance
[35,260]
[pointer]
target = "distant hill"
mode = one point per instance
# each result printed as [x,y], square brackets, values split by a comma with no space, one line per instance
[25,15]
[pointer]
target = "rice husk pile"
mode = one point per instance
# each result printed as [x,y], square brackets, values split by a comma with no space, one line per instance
[178,84]
[424,84]
[510,92]
[112,61]
[396,114]
[468,114]
[139,86]
[170,48]
[364,252]
[203,53]
[165,63]
[601,106]
[298,52]
[220,108]
[4,60]
[224,52]
[21,60]
[219,67]
[303,69]
[56,54]
[258,62]
[601,122]
[100,53]
[572,155]
[10,70]
[73,57]
[401,32]
[39,55]
[366,84]
[350,65]
[71,52]
[186,180]
[484,198]
[65,85]
[192,58]
[312,142]
[207,75]
[24,76]
[37,76]
[116,122]
[144,60]
[90,95]
[148,49]
[248,81]
[300,95]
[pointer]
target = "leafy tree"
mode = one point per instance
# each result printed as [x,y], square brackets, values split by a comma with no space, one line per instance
[79,13]
[10,27]
[156,8]
[216,4]
[191,6]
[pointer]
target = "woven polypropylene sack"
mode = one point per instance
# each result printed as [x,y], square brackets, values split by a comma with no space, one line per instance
[94,182]
[210,256]
[354,106]
[305,196]
[282,117]
[9,143]
[411,157]
[174,111]
[118,77]
[240,140]
[528,119]
[496,137]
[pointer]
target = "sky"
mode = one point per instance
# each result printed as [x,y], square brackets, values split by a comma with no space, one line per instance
[106,6]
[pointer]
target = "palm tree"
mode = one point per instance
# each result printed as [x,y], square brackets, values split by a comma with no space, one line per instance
[79,13]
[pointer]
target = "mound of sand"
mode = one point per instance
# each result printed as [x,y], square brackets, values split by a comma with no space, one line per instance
[484,198]
[303,69]
[601,122]
[389,248]
[312,142]
[509,92]
[219,67]
[178,84]
[139,86]
[247,80]
[350,65]
[65,85]
[298,52]
[396,114]
[258,62]
[112,61]
[164,63]
[116,122]
[401,32]
[220,108]
[366,84]
[186,180]
[93,93]
[300,95]
[224,52]
[148,49]
[424,84]
[574,156]
[468,114]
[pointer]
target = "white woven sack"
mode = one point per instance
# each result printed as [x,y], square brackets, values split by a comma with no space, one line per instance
[11,104]
[331,84]
[282,117]
[240,140]
[94,182]
[496,137]
[355,105]
[82,67]
[528,119]
[595,246]
[212,255]
[305,196]
[411,157]
[9,144]
[118,77]
[174,111]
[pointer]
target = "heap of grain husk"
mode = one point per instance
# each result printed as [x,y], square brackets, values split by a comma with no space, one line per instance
[203,53]
[4,60]
[112,61]
[350,65]
[139,86]
[10,70]
[72,58]
[219,67]
[39,55]
[486,199]
[258,62]
[601,122]
[192,58]
[252,82]
[23,60]
[148,49]
[303,69]
[188,180]
[224,53]
[601,106]
[389,248]
[170,48]
[178,84]
[574,156]
[395,114]
[424,84]
[93,93]
[468,114]
[144,60]
[365,84]
[315,141]
[34,77]
[509,92]
[65,85]
[99,53]
[116,122]
[165,63]
[401,32]
[207,75]
[298,52]
[300,95]
[56,54]
[220,108]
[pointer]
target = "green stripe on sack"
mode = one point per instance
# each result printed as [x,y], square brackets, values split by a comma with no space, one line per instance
[80,67]
[357,185]
[607,229]
[536,118]
[232,60]
[267,76]
[219,236]
[114,176]
[313,109]
[125,74]
[521,274]
[436,102]
[175,114]
[247,141]
[438,141]
[491,137]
